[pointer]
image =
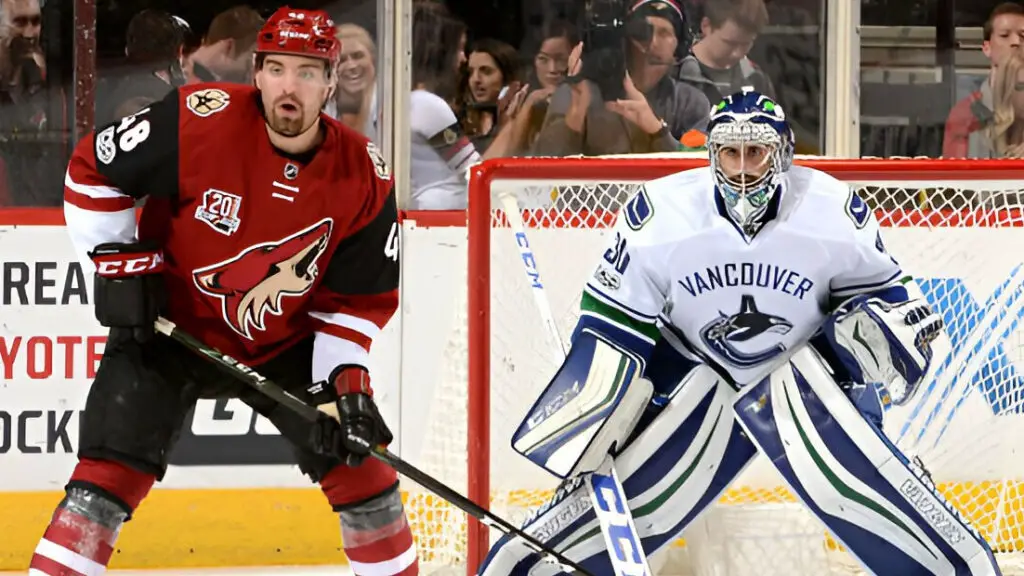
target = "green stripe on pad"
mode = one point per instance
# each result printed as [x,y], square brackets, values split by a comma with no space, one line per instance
[593,305]
[844,489]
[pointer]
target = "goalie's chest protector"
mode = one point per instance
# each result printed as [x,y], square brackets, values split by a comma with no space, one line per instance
[746,304]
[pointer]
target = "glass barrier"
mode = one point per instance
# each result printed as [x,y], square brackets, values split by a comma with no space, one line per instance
[925,76]
[35,106]
[139,56]
[528,77]
[562,78]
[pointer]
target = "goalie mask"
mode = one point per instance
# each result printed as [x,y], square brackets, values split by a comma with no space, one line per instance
[750,146]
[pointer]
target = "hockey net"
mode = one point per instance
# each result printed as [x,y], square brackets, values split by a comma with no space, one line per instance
[957,225]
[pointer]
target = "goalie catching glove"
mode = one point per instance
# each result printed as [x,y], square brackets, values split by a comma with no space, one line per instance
[352,425]
[885,343]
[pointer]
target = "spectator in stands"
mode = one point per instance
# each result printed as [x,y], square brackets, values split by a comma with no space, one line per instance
[719,65]
[355,99]
[549,50]
[971,117]
[440,153]
[489,84]
[225,54]
[657,110]
[153,47]
[30,161]
[1003,137]
[22,67]
[22,19]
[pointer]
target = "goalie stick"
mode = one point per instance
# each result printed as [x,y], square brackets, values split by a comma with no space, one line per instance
[310,413]
[606,493]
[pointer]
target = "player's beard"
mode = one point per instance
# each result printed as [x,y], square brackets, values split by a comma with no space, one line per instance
[289,126]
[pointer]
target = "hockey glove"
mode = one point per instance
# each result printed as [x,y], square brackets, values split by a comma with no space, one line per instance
[353,425]
[128,290]
[886,343]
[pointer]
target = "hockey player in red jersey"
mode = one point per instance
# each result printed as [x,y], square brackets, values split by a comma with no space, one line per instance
[270,232]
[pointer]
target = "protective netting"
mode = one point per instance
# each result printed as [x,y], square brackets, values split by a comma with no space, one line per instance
[961,238]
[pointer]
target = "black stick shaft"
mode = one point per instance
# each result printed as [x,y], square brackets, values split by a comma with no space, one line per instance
[272,390]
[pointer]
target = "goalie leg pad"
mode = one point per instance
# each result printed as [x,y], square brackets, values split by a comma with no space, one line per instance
[587,411]
[671,472]
[853,479]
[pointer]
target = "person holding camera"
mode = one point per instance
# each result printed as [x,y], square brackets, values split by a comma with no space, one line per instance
[619,97]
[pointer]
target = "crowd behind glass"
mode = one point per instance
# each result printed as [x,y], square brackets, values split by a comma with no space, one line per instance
[486,83]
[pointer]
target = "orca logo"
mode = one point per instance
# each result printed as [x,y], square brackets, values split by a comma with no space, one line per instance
[857,210]
[722,334]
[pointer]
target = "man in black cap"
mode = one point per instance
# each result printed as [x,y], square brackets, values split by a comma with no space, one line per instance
[655,113]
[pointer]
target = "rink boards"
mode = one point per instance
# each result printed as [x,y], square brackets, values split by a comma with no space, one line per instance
[256,509]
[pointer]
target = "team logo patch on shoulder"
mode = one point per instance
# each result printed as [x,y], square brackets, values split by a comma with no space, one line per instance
[379,165]
[219,210]
[105,147]
[639,210]
[857,209]
[207,102]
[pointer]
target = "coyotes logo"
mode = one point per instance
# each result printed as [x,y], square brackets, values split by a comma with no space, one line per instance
[254,282]
[207,102]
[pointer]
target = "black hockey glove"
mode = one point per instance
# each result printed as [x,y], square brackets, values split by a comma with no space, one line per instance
[128,291]
[352,425]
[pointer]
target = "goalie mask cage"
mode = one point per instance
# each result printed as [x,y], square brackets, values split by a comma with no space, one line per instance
[957,225]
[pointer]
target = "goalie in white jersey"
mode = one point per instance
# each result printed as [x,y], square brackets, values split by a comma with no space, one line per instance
[758,302]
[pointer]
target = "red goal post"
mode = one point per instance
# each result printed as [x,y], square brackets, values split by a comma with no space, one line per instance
[919,179]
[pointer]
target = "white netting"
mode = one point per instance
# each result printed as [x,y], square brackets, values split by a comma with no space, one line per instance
[961,237]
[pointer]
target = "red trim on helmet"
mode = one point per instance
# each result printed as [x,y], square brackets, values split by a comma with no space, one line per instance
[299,32]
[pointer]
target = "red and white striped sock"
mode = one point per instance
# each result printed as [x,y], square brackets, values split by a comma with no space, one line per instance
[81,535]
[386,551]
[73,545]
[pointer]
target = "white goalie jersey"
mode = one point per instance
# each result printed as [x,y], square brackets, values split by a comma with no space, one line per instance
[676,268]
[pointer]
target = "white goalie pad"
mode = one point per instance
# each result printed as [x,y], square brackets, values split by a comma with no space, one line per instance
[886,512]
[675,469]
[590,407]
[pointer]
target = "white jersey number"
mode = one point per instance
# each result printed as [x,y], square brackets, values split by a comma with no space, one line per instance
[391,246]
[132,131]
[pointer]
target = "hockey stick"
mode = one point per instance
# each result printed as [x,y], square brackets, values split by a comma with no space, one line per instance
[271,390]
[515,221]
[606,492]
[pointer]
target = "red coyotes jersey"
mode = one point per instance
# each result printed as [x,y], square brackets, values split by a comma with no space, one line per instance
[262,248]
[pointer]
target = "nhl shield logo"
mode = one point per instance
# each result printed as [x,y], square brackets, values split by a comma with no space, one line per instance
[291,171]
[219,211]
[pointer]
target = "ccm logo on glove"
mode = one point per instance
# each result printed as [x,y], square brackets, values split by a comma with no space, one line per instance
[122,265]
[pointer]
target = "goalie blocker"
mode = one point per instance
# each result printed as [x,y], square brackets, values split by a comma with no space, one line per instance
[590,407]
[884,509]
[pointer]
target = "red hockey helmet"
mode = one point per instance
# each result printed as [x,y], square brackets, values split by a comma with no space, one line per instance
[300,33]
